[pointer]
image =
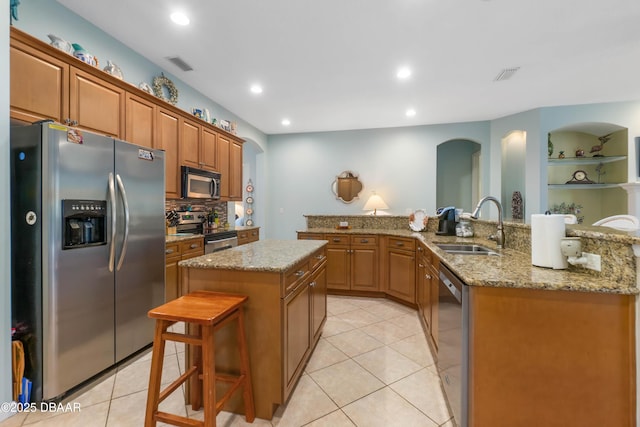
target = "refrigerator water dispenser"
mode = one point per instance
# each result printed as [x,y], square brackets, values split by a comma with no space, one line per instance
[84,223]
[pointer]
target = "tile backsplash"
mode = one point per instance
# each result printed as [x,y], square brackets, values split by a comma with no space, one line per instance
[198,205]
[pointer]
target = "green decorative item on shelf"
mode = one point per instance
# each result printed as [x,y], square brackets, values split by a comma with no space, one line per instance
[549,144]
[568,208]
[561,155]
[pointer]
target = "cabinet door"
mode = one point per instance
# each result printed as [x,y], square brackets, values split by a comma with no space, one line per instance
[364,269]
[224,146]
[189,143]
[140,121]
[338,261]
[318,301]
[235,171]
[402,275]
[297,327]
[39,85]
[209,148]
[167,134]
[96,105]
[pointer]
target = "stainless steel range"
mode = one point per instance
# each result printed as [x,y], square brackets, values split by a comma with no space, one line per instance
[215,240]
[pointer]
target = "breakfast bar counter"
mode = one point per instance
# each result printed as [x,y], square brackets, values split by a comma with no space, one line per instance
[285,281]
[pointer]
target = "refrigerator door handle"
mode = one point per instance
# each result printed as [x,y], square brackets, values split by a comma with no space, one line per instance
[125,203]
[112,197]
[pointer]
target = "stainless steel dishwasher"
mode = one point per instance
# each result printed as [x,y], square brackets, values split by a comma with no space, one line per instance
[453,343]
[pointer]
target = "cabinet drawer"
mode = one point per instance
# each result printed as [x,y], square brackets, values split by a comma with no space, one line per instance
[195,246]
[294,275]
[401,243]
[310,236]
[172,250]
[337,239]
[364,240]
[317,258]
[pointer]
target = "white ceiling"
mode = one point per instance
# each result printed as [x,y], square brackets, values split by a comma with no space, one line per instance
[331,64]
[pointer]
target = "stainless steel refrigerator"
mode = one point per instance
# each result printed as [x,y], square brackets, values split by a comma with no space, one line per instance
[88,236]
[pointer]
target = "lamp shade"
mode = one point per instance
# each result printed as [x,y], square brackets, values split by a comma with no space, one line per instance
[374,203]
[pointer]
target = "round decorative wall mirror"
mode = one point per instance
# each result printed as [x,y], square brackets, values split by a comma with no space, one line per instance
[346,187]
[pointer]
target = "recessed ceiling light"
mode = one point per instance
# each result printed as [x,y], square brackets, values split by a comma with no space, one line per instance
[256,89]
[410,112]
[286,122]
[180,18]
[403,73]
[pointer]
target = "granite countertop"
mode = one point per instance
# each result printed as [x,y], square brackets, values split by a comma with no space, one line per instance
[511,269]
[275,256]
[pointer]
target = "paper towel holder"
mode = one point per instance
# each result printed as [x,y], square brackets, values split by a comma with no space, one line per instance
[571,247]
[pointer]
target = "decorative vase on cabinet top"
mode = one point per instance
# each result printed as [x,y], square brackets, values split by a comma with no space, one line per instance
[83,55]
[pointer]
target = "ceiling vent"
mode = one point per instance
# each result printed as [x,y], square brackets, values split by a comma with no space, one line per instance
[179,62]
[506,74]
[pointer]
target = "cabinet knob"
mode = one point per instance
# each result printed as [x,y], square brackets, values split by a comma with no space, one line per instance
[312,284]
[194,245]
[337,239]
[299,273]
[420,265]
[168,251]
[320,257]
[427,276]
[364,241]
[399,244]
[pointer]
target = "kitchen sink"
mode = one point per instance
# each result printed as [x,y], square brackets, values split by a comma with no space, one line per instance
[468,249]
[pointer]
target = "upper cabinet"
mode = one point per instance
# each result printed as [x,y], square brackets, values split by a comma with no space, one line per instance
[39,84]
[45,87]
[47,83]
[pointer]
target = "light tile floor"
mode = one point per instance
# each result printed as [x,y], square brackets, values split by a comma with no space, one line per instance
[372,367]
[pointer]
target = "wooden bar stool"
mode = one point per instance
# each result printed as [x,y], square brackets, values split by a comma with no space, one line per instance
[208,311]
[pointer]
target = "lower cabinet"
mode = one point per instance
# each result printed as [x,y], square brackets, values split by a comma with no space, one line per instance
[427,291]
[401,269]
[248,236]
[352,262]
[174,253]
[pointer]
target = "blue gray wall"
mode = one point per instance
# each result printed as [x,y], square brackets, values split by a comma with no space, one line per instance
[398,163]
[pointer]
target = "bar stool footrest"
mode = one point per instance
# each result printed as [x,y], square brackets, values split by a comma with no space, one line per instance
[177,420]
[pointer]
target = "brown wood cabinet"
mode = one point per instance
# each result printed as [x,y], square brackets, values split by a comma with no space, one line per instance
[47,83]
[551,358]
[167,137]
[401,269]
[174,253]
[140,122]
[352,262]
[44,86]
[39,87]
[248,236]
[427,288]
[95,104]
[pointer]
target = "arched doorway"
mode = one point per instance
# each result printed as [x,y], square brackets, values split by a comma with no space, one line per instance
[458,174]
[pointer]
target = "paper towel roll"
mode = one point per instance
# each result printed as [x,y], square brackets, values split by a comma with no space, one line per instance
[546,233]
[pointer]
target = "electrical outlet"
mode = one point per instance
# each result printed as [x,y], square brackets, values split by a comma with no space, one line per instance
[593,261]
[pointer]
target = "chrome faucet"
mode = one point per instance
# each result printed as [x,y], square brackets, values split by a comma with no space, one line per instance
[499,236]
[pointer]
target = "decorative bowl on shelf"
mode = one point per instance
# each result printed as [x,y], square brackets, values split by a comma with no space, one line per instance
[113,69]
[60,43]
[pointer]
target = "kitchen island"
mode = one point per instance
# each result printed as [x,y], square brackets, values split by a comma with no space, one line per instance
[285,281]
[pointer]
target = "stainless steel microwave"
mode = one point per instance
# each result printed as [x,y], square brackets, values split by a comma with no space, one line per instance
[200,184]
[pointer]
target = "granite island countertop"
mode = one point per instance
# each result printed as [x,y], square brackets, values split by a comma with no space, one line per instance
[511,269]
[264,255]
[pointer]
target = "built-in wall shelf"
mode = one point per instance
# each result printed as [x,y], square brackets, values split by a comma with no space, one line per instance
[581,186]
[585,160]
